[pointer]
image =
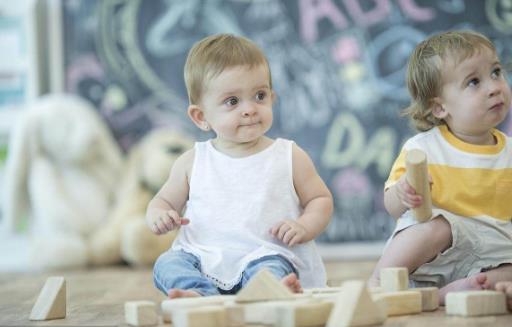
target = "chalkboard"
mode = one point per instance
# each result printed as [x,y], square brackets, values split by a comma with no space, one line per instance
[338,68]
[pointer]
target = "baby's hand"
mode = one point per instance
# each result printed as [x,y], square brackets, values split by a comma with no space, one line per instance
[288,231]
[406,193]
[166,221]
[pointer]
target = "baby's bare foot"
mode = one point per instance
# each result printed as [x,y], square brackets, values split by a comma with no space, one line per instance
[293,283]
[475,282]
[175,293]
[505,287]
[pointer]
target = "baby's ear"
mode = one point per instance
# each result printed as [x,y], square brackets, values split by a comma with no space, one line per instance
[197,116]
[438,108]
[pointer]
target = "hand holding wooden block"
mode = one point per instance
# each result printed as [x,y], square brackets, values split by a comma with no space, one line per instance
[417,177]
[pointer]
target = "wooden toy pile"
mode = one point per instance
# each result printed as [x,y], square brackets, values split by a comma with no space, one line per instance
[266,301]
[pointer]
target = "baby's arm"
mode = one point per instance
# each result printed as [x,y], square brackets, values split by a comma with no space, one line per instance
[163,213]
[314,197]
[400,197]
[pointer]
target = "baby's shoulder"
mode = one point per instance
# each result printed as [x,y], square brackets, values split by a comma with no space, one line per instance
[185,161]
[423,140]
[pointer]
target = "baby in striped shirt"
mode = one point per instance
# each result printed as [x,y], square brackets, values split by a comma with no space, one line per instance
[459,95]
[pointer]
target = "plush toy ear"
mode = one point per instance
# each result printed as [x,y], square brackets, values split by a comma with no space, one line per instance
[23,146]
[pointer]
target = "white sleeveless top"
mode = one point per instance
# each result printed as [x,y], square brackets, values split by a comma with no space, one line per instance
[232,205]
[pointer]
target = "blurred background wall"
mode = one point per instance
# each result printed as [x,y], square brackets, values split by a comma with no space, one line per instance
[338,68]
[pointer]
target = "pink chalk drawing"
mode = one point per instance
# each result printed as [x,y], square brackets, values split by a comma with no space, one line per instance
[346,50]
[86,66]
[313,11]
[378,13]
[420,14]
[351,182]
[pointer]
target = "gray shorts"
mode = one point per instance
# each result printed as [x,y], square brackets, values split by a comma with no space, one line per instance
[479,244]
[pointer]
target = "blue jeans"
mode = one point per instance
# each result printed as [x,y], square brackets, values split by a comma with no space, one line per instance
[182,270]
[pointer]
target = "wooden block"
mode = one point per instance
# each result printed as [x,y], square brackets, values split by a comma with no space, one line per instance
[303,314]
[140,313]
[394,279]
[261,313]
[263,287]
[429,298]
[326,297]
[265,313]
[169,306]
[476,303]
[208,316]
[235,315]
[400,303]
[51,303]
[417,175]
[374,290]
[355,307]
[323,290]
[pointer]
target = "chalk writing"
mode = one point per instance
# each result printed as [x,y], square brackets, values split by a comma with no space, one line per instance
[338,69]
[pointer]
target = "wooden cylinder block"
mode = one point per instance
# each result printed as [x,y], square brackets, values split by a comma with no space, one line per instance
[417,176]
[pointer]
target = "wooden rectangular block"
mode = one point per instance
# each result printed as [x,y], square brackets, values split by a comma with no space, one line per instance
[265,313]
[476,303]
[400,303]
[235,315]
[209,316]
[304,314]
[320,290]
[394,279]
[140,313]
[169,306]
[429,298]
[51,302]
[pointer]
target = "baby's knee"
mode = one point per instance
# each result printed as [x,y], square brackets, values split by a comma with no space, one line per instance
[436,230]
[441,231]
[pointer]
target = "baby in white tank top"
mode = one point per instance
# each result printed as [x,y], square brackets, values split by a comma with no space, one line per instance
[251,202]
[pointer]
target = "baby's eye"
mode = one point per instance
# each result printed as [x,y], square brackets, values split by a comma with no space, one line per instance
[261,95]
[233,101]
[496,72]
[473,82]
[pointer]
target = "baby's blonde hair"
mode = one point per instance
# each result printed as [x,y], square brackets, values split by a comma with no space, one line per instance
[424,79]
[211,55]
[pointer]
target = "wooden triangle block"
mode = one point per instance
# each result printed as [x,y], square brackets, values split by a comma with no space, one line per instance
[263,287]
[51,303]
[355,307]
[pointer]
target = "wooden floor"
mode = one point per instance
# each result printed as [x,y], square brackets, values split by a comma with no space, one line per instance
[96,297]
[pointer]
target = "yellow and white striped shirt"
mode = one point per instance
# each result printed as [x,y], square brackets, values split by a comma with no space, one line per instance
[468,180]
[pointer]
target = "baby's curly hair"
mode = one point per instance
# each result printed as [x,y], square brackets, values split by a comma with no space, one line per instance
[424,79]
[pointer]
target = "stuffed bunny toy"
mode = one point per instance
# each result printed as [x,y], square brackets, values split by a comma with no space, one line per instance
[126,237]
[62,171]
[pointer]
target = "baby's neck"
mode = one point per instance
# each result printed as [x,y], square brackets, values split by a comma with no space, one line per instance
[240,150]
[483,139]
